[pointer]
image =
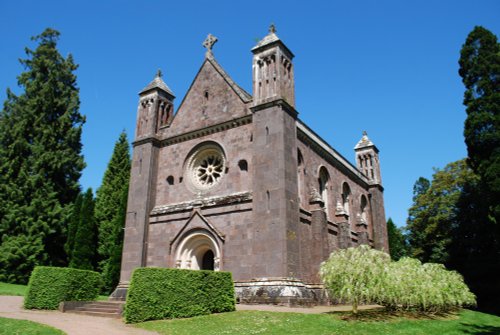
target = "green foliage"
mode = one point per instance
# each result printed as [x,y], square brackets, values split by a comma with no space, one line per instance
[434,212]
[398,245]
[48,286]
[74,223]
[480,72]
[19,255]
[40,160]
[84,253]
[157,293]
[475,250]
[365,275]
[111,269]
[256,322]
[355,275]
[110,210]
[24,327]
[424,287]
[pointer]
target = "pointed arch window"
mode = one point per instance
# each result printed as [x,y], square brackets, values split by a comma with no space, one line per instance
[323,182]
[346,197]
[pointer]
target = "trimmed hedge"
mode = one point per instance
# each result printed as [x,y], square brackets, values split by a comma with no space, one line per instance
[160,293]
[48,286]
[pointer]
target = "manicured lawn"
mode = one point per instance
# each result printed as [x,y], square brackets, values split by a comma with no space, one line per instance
[12,289]
[252,322]
[23,327]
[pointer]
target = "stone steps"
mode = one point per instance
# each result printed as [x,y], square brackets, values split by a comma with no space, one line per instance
[109,309]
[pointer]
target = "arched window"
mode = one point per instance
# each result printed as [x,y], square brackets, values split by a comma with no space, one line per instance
[346,197]
[363,209]
[300,180]
[323,180]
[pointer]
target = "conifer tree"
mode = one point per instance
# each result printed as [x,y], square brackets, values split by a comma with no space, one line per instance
[110,202]
[398,246]
[480,72]
[84,251]
[40,160]
[73,224]
[476,248]
[111,270]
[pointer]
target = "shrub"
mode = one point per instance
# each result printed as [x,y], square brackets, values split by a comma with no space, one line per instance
[355,275]
[48,286]
[159,293]
[424,287]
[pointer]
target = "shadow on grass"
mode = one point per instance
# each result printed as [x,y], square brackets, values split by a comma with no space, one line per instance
[473,329]
[381,314]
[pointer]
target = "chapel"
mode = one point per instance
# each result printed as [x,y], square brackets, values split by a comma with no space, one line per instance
[236,182]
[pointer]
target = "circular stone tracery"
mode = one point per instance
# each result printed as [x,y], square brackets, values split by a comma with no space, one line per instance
[206,167]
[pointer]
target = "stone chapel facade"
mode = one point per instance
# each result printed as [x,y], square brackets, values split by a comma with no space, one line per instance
[237,182]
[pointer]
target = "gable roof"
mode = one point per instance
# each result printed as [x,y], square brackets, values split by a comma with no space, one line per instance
[244,95]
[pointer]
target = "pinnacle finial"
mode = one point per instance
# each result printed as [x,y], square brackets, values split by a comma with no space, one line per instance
[159,74]
[272,28]
[209,43]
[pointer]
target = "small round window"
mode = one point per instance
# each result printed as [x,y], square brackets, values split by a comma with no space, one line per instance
[206,167]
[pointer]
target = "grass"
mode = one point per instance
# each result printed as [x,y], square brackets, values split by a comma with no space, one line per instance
[253,322]
[12,289]
[23,327]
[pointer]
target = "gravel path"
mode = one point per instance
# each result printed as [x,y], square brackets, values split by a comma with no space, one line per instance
[72,324]
[304,310]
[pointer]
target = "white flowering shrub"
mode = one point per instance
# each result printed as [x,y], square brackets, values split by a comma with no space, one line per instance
[365,275]
[355,275]
[411,285]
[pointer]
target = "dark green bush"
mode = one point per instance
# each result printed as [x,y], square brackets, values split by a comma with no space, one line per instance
[48,286]
[158,293]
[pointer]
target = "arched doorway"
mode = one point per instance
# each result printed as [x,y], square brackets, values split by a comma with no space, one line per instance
[207,262]
[198,251]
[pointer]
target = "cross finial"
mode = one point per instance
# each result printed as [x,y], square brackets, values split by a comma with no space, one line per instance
[272,28]
[159,74]
[209,43]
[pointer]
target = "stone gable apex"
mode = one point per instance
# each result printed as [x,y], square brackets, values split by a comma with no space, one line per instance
[213,97]
[197,221]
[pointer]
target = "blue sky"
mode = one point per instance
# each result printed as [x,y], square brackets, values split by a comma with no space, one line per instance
[387,67]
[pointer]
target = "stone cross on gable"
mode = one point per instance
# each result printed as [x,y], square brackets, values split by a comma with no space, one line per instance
[209,43]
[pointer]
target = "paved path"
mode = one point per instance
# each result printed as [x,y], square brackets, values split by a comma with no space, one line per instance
[72,324]
[304,310]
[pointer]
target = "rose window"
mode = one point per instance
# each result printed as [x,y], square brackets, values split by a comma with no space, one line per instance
[209,171]
[206,167]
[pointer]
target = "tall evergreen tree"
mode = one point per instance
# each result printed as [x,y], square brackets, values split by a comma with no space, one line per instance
[40,160]
[398,247]
[480,72]
[110,202]
[73,224]
[111,270]
[84,251]
[476,248]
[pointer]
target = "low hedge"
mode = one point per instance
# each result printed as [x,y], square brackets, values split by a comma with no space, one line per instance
[48,286]
[159,293]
